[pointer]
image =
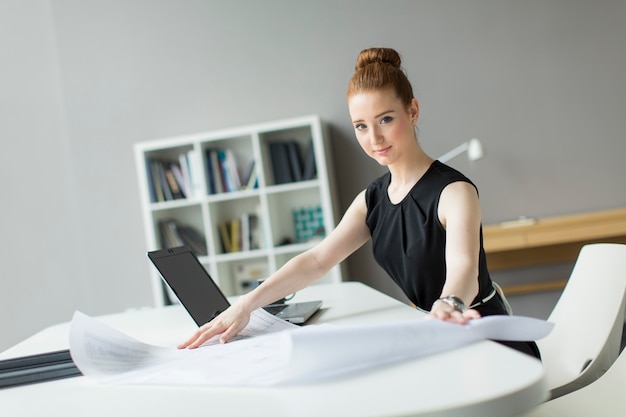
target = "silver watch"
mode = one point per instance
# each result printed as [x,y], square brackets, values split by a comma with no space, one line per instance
[453,301]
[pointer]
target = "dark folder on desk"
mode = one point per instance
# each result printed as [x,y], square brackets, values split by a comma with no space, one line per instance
[37,368]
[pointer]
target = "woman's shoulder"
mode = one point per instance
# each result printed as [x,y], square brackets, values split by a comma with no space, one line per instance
[442,175]
[377,187]
[446,171]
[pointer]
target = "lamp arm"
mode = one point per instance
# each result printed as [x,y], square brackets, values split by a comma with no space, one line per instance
[453,153]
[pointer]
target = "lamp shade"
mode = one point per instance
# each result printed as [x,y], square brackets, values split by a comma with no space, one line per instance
[473,147]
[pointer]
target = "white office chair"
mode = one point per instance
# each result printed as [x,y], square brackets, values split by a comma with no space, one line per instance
[604,397]
[588,319]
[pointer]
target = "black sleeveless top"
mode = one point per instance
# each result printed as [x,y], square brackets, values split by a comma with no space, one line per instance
[409,241]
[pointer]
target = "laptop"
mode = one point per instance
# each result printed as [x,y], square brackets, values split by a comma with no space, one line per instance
[200,295]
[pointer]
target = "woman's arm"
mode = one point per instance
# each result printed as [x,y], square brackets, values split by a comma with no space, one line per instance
[349,235]
[460,214]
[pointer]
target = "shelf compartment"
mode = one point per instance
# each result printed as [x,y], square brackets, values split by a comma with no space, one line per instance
[288,155]
[173,173]
[238,225]
[239,276]
[230,164]
[189,228]
[280,210]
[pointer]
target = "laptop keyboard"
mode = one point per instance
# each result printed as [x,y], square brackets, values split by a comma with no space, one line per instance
[274,309]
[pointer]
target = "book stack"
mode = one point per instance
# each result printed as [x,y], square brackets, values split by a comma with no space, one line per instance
[172,179]
[287,163]
[174,234]
[241,233]
[223,173]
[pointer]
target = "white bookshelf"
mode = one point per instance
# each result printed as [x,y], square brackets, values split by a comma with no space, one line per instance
[203,208]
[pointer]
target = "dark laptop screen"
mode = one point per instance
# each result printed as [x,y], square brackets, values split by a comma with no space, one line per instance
[188,279]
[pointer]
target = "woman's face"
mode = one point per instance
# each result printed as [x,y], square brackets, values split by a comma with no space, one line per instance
[382,124]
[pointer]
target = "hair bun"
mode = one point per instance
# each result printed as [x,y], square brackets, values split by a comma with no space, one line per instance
[381,55]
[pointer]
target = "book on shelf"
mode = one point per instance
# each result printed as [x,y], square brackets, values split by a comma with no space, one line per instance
[310,169]
[255,235]
[280,163]
[174,234]
[174,186]
[232,172]
[295,164]
[250,177]
[245,232]
[183,174]
[241,233]
[173,179]
[162,179]
[226,181]
[153,188]
[235,237]
[214,177]
[194,164]
[287,163]
[222,171]
[225,236]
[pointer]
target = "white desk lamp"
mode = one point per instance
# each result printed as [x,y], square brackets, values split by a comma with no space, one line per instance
[473,147]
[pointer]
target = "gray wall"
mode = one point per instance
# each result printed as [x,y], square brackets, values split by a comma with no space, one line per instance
[541,83]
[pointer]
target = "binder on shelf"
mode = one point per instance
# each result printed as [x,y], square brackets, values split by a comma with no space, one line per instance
[310,169]
[280,163]
[287,164]
[295,165]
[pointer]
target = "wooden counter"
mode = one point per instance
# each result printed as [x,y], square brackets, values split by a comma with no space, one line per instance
[531,242]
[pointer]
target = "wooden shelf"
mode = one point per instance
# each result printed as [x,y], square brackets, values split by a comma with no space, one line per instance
[530,242]
[534,287]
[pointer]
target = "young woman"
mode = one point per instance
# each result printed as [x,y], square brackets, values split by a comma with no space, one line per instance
[423,217]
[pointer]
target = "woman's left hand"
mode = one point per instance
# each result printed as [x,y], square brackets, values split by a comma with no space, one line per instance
[446,312]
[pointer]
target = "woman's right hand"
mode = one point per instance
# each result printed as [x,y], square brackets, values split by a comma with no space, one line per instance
[227,324]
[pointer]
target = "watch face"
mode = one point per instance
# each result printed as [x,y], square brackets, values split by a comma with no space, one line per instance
[454,302]
[457,300]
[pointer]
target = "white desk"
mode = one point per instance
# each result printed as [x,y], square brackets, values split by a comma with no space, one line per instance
[484,379]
